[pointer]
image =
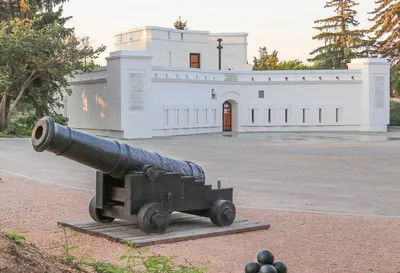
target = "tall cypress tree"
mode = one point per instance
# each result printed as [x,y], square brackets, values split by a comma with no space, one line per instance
[342,41]
[386,28]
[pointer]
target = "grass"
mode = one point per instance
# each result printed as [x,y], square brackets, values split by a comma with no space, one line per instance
[16,237]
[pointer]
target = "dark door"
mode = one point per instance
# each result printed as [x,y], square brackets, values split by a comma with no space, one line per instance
[227,116]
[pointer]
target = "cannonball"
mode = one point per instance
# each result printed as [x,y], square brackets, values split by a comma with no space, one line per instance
[252,267]
[280,266]
[267,268]
[265,257]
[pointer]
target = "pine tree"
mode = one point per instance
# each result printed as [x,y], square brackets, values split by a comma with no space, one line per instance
[179,24]
[10,9]
[342,41]
[386,28]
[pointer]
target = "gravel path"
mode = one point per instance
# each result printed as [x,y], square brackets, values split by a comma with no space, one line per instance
[307,242]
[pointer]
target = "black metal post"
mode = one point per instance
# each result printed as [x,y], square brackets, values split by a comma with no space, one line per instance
[219,52]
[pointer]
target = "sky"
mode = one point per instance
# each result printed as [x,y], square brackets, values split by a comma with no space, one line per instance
[282,25]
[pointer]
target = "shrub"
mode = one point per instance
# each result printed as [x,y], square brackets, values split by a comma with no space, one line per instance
[138,260]
[23,125]
[394,113]
[60,119]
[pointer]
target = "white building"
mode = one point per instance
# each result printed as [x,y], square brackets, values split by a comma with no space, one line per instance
[186,48]
[149,89]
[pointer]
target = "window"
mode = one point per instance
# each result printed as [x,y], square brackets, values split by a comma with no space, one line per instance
[194,60]
[261,94]
[187,116]
[252,115]
[206,116]
[337,114]
[166,116]
[215,116]
[177,116]
[269,115]
[286,115]
[213,94]
[197,116]
[169,58]
[320,115]
[304,115]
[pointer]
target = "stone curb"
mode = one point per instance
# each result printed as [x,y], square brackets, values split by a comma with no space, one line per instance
[15,139]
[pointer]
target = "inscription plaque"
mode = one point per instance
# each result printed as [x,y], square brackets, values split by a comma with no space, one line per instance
[231,77]
[379,92]
[136,99]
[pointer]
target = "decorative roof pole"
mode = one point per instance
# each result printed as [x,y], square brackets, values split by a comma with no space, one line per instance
[219,52]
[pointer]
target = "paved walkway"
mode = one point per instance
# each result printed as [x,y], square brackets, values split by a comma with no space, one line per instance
[351,173]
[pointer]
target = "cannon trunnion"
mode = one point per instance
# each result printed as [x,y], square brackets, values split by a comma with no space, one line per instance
[136,185]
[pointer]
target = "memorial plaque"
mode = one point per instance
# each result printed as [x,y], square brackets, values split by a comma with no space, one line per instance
[231,77]
[136,98]
[379,92]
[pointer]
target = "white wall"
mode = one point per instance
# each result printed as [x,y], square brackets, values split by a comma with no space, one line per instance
[178,101]
[92,104]
[234,52]
[172,90]
[172,47]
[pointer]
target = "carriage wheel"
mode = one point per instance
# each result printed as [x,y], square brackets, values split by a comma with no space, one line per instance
[96,215]
[222,213]
[153,218]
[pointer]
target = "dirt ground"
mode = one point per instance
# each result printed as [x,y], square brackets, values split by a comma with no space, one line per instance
[27,258]
[307,242]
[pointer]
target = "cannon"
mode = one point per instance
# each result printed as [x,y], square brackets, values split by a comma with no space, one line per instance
[136,185]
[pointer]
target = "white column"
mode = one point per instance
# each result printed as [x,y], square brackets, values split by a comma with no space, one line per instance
[129,73]
[375,93]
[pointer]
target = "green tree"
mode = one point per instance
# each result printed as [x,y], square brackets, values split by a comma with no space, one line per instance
[43,87]
[342,40]
[179,24]
[386,33]
[292,65]
[386,28]
[265,61]
[29,54]
[11,9]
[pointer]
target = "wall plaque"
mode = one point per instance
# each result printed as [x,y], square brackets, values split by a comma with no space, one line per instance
[231,77]
[135,89]
[379,92]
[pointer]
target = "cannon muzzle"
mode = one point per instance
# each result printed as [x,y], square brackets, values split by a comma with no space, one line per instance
[107,156]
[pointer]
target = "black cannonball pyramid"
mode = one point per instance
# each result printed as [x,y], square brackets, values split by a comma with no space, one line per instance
[267,268]
[252,267]
[265,257]
[280,266]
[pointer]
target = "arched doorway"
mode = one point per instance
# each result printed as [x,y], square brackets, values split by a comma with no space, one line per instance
[227,116]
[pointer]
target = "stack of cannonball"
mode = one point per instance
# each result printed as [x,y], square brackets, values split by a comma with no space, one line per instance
[265,264]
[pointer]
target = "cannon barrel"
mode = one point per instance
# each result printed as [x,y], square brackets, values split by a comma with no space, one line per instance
[107,156]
